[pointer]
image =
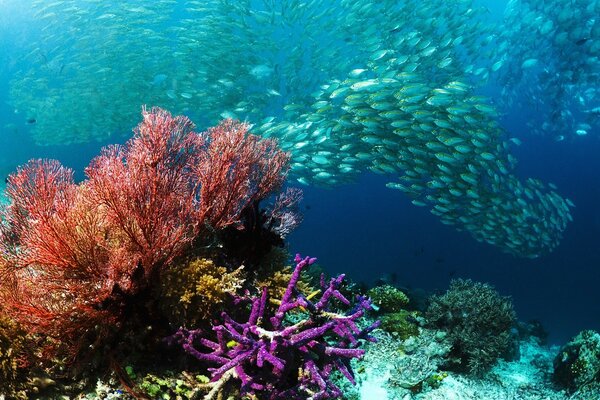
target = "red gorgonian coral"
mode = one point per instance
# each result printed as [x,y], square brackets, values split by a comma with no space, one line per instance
[74,255]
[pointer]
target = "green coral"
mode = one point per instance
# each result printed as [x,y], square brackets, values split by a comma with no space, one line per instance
[402,323]
[387,298]
[578,363]
[167,388]
[130,372]
[435,380]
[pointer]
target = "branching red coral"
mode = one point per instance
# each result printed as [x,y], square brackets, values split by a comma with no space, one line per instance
[54,251]
[74,256]
[236,170]
[148,192]
[45,205]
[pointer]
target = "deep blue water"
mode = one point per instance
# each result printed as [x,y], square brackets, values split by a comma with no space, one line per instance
[367,230]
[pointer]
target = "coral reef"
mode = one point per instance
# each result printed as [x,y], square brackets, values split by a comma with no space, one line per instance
[379,379]
[478,321]
[194,290]
[274,359]
[577,365]
[388,298]
[80,260]
[402,323]
[12,343]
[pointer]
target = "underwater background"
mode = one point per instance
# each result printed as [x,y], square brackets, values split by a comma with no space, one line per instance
[366,230]
[369,231]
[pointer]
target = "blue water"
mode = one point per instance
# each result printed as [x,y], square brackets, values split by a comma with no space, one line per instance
[368,231]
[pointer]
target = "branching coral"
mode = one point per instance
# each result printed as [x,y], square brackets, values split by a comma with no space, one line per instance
[194,290]
[284,216]
[76,258]
[388,298]
[478,321]
[275,359]
[236,170]
[55,251]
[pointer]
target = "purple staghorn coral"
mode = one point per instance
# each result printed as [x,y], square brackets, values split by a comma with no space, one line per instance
[275,359]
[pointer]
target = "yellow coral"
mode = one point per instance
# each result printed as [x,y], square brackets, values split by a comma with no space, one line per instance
[194,290]
[275,274]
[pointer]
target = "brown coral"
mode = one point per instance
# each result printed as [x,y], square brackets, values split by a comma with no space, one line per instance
[12,341]
[194,290]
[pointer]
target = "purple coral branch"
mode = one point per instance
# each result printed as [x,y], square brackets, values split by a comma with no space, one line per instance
[258,308]
[285,306]
[283,360]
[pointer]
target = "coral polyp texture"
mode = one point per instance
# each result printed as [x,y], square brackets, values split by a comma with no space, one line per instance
[274,358]
[80,259]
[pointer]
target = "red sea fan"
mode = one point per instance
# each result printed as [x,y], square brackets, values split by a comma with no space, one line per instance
[75,257]
[54,253]
[52,223]
[148,191]
[236,170]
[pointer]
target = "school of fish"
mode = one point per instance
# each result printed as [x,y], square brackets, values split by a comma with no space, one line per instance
[345,86]
[554,69]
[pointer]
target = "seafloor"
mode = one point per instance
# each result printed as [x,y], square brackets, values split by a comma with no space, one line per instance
[528,378]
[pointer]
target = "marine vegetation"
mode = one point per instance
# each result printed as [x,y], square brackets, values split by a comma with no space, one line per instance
[80,261]
[577,364]
[478,322]
[399,99]
[193,290]
[271,358]
[387,298]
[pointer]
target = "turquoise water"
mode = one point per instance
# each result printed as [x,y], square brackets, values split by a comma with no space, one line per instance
[433,140]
